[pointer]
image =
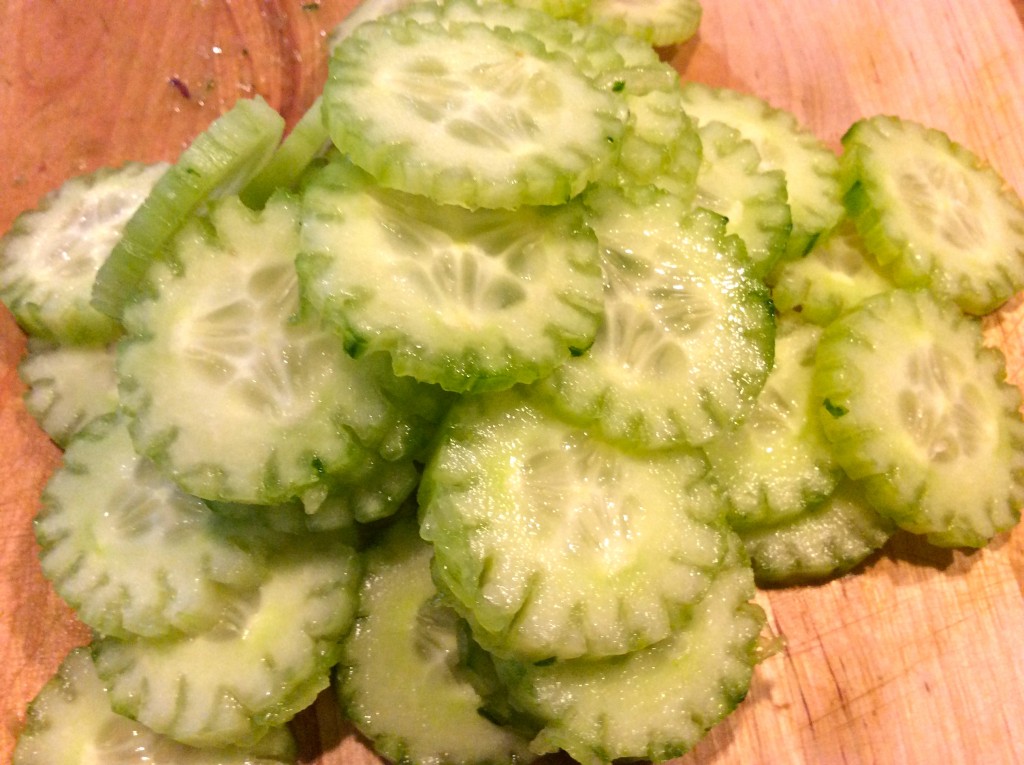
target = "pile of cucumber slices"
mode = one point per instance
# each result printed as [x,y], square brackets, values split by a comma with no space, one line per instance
[490,393]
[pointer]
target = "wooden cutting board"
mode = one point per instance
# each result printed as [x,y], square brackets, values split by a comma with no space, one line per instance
[918,657]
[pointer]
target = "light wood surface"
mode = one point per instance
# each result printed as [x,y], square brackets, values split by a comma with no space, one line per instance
[917,657]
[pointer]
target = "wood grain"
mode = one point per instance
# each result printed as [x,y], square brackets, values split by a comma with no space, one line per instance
[914,658]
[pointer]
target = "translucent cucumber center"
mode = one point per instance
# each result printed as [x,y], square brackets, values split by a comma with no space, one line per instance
[939,406]
[945,203]
[589,516]
[489,105]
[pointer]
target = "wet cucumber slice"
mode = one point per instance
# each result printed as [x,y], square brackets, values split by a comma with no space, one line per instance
[219,162]
[825,540]
[933,213]
[231,392]
[920,412]
[659,144]
[68,386]
[658,22]
[778,461]
[555,544]
[70,721]
[811,168]
[732,183]
[471,300]
[398,678]
[656,703]
[127,550]
[688,333]
[467,114]
[262,664]
[834,276]
[304,143]
[50,257]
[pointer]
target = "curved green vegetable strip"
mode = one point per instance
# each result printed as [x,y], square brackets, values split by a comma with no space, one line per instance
[218,162]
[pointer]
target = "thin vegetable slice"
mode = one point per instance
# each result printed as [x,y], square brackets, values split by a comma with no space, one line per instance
[130,552]
[70,721]
[732,183]
[264,662]
[656,703]
[688,332]
[218,162]
[658,22]
[68,386]
[933,213]
[824,541]
[554,544]
[468,115]
[404,629]
[231,393]
[920,412]
[777,462]
[50,256]
[811,168]
[834,276]
[469,299]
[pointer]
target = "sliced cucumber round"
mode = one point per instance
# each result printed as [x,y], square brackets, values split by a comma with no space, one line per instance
[231,392]
[130,552]
[469,299]
[833,277]
[732,183]
[920,412]
[219,162]
[262,664]
[70,721]
[811,168]
[51,255]
[656,703]
[688,332]
[657,22]
[404,630]
[554,544]
[68,386]
[468,114]
[824,541]
[778,461]
[933,213]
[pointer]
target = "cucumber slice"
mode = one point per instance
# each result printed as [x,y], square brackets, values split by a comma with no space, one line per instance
[129,551]
[471,300]
[258,667]
[403,631]
[467,114]
[217,163]
[305,142]
[920,412]
[231,393]
[659,144]
[554,544]
[50,257]
[778,461]
[688,333]
[754,201]
[656,703]
[833,277]
[657,22]
[811,168]
[933,213]
[70,721]
[68,386]
[826,540]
